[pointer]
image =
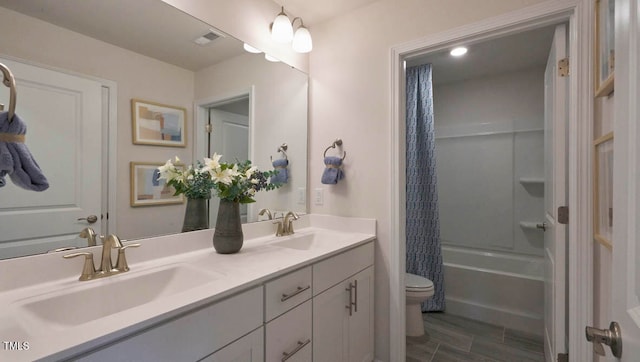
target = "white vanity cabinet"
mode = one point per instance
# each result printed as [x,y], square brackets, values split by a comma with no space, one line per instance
[322,312]
[249,348]
[193,336]
[343,307]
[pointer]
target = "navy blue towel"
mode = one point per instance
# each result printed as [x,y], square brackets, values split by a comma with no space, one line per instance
[282,177]
[15,158]
[333,171]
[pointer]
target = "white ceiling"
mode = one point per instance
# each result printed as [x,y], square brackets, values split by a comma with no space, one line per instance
[506,54]
[317,11]
[148,27]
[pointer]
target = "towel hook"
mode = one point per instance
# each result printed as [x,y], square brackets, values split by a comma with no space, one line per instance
[337,142]
[10,82]
[283,147]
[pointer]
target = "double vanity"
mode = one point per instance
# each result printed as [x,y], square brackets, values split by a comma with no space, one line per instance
[300,297]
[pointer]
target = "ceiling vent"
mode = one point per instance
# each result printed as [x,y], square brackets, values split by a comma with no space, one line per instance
[207,38]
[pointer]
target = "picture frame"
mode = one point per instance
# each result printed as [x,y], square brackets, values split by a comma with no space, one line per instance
[147,190]
[604,47]
[603,190]
[158,124]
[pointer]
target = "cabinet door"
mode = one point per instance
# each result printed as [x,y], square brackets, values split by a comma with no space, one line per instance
[249,348]
[361,322]
[331,324]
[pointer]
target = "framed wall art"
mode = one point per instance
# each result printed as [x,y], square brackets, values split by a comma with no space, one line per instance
[604,47]
[603,190]
[158,124]
[147,190]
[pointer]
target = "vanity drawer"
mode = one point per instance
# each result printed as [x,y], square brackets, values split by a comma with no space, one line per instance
[192,336]
[286,292]
[290,333]
[332,271]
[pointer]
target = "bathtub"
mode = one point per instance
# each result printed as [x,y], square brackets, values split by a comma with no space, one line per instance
[495,287]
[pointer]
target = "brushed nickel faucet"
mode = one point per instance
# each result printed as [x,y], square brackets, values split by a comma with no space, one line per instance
[266,211]
[287,223]
[106,264]
[90,235]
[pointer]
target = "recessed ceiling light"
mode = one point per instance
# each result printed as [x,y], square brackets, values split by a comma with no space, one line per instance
[459,51]
[251,49]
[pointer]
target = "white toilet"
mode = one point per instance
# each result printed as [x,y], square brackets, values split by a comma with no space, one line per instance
[418,290]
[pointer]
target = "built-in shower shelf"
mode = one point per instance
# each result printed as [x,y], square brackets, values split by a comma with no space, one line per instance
[531,180]
[530,225]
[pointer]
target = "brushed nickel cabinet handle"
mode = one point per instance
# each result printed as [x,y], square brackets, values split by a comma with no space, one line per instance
[287,355]
[355,282]
[298,290]
[350,305]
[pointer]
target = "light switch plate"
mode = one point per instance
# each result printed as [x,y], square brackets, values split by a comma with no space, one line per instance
[318,196]
[302,197]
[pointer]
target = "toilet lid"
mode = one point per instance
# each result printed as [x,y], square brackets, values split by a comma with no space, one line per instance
[416,282]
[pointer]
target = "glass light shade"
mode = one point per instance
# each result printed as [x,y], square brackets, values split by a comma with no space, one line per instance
[251,49]
[459,51]
[281,30]
[270,58]
[302,42]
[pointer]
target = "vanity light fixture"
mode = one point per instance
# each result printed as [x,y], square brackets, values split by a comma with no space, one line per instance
[459,51]
[302,42]
[251,49]
[281,29]
[282,32]
[270,58]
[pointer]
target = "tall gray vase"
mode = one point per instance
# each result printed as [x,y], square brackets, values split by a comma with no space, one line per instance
[227,237]
[196,216]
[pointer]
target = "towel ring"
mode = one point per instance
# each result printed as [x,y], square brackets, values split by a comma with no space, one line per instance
[283,147]
[10,82]
[337,142]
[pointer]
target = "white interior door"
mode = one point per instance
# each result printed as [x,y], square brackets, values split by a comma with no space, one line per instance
[229,137]
[63,114]
[625,276]
[555,195]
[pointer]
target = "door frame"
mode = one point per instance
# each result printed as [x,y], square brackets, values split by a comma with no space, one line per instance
[579,13]
[201,111]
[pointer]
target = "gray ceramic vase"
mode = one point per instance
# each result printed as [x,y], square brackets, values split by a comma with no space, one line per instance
[227,237]
[196,216]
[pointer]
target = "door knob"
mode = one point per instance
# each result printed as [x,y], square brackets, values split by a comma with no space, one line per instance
[90,219]
[542,226]
[611,337]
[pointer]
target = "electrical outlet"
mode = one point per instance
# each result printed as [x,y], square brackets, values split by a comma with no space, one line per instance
[302,197]
[318,196]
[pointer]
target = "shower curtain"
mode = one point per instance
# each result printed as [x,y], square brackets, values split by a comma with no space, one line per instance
[424,255]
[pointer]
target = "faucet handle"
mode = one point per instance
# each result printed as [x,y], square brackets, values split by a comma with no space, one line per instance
[280,230]
[121,262]
[88,269]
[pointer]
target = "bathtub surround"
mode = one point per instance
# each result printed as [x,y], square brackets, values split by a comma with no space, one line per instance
[424,254]
[489,143]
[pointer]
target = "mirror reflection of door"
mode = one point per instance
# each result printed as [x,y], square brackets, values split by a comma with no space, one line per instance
[63,114]
[229,137]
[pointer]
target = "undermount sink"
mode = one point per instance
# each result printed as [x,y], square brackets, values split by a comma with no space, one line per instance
[110,296]
[301,242]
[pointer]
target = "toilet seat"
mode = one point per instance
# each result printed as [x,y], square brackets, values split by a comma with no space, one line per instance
[417,283]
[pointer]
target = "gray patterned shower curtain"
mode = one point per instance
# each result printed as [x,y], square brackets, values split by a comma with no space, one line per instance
[424,254]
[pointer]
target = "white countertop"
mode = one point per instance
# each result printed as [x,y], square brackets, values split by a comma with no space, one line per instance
[39,277]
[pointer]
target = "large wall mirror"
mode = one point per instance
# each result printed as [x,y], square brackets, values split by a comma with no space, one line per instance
[79,63]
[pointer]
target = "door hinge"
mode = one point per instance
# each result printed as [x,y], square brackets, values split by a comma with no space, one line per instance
[563,214]
[208,128]
[563,357]
[563,67]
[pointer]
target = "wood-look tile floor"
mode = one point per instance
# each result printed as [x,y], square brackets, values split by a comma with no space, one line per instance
[453,338]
